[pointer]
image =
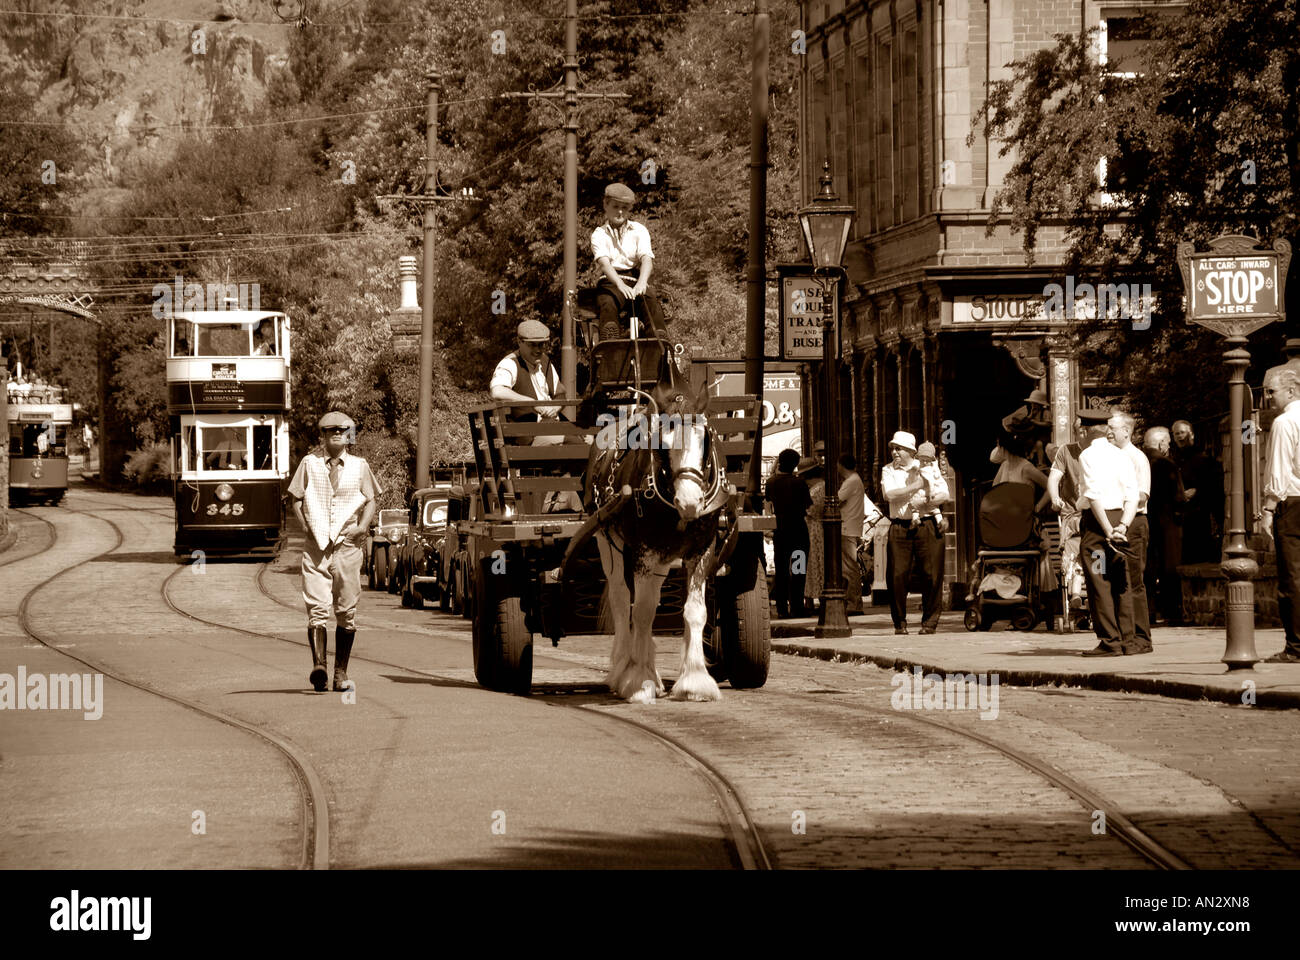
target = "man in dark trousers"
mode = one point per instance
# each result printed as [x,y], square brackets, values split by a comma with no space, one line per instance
[1203,487]
[790,500]
[1164,587]
[1108,501]
[1280,516]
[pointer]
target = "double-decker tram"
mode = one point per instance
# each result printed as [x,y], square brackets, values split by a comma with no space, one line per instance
[38,424]
[227,400]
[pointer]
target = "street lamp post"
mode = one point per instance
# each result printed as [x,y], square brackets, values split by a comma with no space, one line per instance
[825,224]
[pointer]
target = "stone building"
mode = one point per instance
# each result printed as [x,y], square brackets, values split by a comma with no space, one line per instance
[948,327]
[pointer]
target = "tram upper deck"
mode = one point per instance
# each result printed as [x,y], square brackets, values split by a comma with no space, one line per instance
[233,360]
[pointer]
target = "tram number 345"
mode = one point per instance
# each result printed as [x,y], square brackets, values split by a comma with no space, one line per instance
[229,509]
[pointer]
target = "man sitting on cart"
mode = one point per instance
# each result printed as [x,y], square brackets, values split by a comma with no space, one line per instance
[621,248]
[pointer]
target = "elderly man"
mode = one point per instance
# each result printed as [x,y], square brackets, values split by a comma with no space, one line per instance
[1109,502]
[1064,482]
[1165,549]
[334,497]
[1280,516]
[1121,426]
[914,535]
[1203,486]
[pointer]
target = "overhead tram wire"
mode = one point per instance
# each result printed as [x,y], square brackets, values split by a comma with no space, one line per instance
[345,25]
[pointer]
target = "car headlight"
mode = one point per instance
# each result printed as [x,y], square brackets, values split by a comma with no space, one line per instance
[224,492]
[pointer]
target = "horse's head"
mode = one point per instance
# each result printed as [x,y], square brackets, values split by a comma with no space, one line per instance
[684,438]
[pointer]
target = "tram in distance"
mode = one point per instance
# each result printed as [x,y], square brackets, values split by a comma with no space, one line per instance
[227,400]
[38,425]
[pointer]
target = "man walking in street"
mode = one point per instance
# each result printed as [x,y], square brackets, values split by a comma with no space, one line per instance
[1280,516]
[1121,426]
[1109,500]
[790,501]
[914,535]
[334,497]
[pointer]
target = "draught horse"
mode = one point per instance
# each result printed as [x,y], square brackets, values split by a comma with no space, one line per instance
[664,449]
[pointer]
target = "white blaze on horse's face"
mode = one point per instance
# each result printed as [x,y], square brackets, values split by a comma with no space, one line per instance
[686,456]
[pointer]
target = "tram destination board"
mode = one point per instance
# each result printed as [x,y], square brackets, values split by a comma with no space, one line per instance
[225,394]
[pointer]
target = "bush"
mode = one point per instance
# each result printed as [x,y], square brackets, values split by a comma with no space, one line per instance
[149,468]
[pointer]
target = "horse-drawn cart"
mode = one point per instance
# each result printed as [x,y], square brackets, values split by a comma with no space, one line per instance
[532,554]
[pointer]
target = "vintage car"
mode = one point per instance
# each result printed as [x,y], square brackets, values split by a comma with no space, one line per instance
[454,553]
[418,565]
[386,532]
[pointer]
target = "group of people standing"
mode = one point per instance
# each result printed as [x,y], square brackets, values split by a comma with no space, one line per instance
[916,491]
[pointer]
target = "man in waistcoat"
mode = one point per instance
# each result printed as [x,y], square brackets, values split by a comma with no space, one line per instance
[334,497]
[524,375]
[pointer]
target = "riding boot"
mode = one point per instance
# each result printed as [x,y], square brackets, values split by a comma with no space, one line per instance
[319,639]
[342,650]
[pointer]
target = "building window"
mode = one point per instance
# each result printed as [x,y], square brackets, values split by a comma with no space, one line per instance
[884,104]
[910,161]
[864,223]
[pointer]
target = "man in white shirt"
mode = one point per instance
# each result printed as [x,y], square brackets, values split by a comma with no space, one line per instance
[915,537]
[1108,501]
[621,249]
[526,376]
[1280,516]
[1121,426]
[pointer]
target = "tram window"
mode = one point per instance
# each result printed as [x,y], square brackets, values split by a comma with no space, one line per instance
[188,456]
[224,448]
[263,448]
[33,439]
[264,339]
[183,341]
[223,340]
[15,439]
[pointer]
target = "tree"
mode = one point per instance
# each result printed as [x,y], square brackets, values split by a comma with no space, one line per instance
[1203,140]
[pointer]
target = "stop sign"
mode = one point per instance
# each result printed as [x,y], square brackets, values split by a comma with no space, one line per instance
[1236,287]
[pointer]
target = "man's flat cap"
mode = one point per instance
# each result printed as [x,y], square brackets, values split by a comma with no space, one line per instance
[336,419]
[616,191]
[533,330]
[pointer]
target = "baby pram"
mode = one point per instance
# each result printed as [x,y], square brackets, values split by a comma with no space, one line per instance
[1007,576]
[1074,616]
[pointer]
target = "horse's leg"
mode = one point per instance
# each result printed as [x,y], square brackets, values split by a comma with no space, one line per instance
[694,683]
[620,608]
[642,682]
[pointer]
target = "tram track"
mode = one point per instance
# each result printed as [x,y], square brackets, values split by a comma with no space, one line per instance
[315,819]
[1117,823]
[744,834]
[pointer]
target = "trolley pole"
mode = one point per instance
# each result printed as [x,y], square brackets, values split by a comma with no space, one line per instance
[423,452]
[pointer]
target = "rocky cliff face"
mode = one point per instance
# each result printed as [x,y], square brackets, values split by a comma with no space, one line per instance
[129,78]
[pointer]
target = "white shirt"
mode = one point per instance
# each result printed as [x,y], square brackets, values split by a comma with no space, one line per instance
[1283,468]
[913,490]
[1109,476]
[1142,466]
[624,247]
[506,374]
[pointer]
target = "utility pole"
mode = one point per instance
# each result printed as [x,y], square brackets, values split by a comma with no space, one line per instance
[426,200]
[756,288]
[571,97]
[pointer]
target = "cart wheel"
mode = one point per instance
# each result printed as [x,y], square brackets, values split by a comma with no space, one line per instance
[1024,619]
[744,623]
[503,645]
[972,619]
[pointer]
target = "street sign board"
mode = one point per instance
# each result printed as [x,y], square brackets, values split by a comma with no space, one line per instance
[802,303]
[1235,287]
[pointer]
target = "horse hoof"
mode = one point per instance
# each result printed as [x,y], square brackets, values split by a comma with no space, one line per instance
[696,686]
[645,694]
